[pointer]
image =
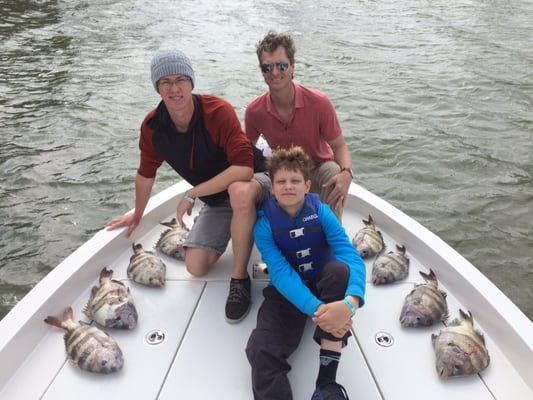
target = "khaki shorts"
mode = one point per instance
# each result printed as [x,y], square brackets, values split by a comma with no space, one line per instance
[211,228]
[321,175]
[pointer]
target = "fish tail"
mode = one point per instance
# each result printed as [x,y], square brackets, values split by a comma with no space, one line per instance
[467,317]
[369,221]
[401,248]
[51,320]
[106,273]
[431,277]
[68,314]
[136,247]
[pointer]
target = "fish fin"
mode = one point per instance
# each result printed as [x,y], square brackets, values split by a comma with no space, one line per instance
[481,337]
[118,282]
[87,307]
[173,222]
[93,292]
[445,314]
[159,241]
[384,246]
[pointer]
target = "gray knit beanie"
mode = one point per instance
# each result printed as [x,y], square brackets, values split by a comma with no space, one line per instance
[170,62]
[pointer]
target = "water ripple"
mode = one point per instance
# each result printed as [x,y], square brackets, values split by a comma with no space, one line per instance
[435,100]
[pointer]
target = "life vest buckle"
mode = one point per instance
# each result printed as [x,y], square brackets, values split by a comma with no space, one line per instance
[303,253]
[305,267]
[296,233]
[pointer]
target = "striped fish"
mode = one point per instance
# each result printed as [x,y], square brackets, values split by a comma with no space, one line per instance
[390,267]
[171,241]
[459,348]
[367,241]
[88,347]
[145,268]
[111,304]
[425,305]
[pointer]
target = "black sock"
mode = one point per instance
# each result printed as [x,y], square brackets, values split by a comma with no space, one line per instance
[329,361]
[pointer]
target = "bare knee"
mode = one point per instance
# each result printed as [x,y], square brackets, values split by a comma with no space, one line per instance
[199,261]
[244,195]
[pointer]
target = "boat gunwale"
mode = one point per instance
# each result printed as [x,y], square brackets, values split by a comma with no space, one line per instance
[22,328]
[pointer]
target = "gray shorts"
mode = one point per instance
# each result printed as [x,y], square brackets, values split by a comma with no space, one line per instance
[211,228]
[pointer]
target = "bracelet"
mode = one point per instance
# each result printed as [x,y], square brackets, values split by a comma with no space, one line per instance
[188,198]
[350,305]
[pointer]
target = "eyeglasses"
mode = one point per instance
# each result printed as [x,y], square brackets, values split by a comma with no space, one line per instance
[269,67]
[168,83]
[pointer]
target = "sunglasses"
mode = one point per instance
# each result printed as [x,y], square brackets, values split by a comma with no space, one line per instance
[281,65]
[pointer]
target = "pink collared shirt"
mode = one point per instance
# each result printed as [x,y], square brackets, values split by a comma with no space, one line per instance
[312,125]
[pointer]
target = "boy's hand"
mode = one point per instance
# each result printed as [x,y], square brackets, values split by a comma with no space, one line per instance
[333,317]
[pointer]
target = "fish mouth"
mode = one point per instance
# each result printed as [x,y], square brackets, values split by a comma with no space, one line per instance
[364,253]
[159,282]
[442,372]
[118,323]
[125,318]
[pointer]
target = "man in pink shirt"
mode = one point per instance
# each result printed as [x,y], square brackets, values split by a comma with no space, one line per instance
[291,114]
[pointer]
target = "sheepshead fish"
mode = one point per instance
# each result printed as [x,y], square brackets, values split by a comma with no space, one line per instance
[367,241]
[459,348]
[171,241]
[390,267]
[425,305]
[89,347]
[145,268]
[111,304]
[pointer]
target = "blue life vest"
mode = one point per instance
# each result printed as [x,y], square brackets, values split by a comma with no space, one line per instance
[301,239]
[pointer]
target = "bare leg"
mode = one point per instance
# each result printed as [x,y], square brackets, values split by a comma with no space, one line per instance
[331,345]
[243,198]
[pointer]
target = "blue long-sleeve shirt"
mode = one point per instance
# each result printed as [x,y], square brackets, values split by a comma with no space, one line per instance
[287,281]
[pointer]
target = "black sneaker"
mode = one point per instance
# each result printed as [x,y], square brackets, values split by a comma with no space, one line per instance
[238,303]
[330,391]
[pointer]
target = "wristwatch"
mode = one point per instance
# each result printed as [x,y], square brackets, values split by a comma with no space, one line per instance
[349,171]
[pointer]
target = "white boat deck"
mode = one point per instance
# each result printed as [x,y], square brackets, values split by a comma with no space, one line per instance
[201,356]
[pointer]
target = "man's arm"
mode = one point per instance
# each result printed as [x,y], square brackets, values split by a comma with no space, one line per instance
[143,189]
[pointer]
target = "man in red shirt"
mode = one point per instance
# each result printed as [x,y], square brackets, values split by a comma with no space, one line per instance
[200,137]
[291,114]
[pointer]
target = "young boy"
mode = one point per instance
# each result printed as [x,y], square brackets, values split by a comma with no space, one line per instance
[315,271]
